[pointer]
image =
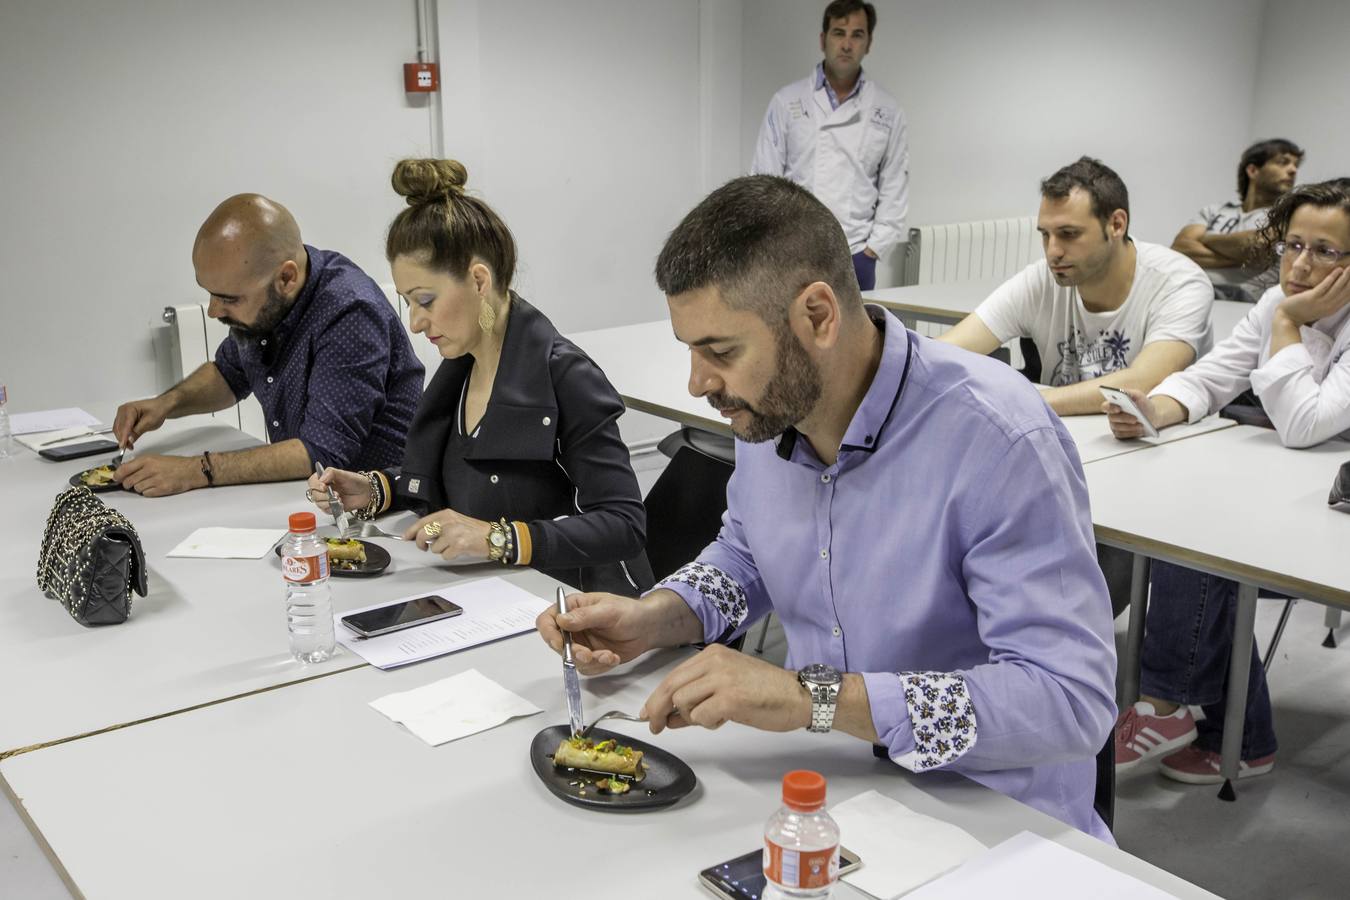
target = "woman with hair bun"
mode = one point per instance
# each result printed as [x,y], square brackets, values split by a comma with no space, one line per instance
[514,454]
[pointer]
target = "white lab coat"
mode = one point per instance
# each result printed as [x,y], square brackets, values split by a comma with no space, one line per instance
[1305,388]
[855,159]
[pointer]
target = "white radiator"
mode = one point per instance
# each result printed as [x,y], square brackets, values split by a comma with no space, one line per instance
[994,248]
[195,337]
[968,251]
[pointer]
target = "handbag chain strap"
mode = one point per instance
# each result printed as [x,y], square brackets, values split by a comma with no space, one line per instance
[76,519]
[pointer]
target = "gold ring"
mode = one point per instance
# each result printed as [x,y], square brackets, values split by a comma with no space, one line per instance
[432,529]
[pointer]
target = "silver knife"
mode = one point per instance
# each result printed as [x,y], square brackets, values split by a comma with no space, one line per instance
[571,683]
[334,507]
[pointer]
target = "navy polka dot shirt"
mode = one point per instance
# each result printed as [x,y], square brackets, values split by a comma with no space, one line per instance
[338,373]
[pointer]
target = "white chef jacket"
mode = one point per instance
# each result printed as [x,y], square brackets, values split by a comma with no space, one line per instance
[854,159]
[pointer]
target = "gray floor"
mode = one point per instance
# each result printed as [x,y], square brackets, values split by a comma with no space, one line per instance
[1285,837]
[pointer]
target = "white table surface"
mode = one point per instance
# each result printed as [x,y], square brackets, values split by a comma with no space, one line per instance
[949,301]
[307,791]
[650,370]
[1095,442]
[209,629]
[1234,502]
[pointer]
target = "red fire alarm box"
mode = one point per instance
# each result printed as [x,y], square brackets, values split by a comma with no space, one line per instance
[421,78]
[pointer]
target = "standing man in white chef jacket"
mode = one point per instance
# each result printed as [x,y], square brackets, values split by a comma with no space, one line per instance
[839,134]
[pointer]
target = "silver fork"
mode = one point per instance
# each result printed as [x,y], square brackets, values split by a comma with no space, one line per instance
[361,528]
[612,714]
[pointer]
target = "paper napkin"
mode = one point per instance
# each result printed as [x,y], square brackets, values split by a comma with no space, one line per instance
[900,849]
[454,707]
[229,543]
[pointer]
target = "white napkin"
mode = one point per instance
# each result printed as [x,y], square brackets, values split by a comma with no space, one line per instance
[454,707]
[900,849]
[229,543]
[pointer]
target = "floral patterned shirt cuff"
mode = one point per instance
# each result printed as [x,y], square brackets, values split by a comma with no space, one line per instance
[716,593]
[941,716]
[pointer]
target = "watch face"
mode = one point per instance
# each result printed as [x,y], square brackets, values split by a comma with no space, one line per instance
[819,673]
[497,539]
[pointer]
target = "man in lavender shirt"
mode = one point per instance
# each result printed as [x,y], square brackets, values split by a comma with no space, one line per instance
[916,516]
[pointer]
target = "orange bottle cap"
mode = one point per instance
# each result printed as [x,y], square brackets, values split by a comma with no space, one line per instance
[804,790]
[302,523]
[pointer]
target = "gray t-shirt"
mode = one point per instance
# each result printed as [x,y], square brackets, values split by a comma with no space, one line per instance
[1236,282]
[1169,300]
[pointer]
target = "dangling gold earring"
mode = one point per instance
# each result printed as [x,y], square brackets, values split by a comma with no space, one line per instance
[487,316]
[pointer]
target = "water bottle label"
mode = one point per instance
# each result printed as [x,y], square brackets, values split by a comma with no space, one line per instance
[304,569]
[800,868]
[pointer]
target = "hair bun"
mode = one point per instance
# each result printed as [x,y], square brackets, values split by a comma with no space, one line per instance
[429,180]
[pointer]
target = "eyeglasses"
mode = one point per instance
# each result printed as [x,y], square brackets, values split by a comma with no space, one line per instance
[1328,256]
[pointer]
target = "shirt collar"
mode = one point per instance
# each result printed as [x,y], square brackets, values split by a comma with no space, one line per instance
[823,82]
[302,299]
[866,429]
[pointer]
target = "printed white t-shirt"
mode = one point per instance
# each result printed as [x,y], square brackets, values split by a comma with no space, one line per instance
[1169,300]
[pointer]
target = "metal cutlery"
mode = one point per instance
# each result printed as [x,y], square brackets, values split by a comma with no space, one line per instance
[612,714]
[361,529]
[340,518]
[571,682]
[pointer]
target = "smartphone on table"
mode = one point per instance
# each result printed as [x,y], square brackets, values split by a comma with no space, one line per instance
[404,614]
[77,451]
[742,878]
[1122,400]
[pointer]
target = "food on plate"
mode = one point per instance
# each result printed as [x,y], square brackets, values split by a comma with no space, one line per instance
[345,554]
[613,786]
[602,756]
[97,477]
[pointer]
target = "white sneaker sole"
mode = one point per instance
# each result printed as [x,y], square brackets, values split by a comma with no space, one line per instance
[1162,749]
[1244,771]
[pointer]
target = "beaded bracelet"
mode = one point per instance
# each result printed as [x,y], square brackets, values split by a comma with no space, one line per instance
[376,504]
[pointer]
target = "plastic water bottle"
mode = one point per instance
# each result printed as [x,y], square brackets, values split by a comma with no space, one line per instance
[309,600]
[6,439]
[801,841]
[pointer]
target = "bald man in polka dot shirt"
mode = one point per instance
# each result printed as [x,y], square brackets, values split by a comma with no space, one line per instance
[311,336]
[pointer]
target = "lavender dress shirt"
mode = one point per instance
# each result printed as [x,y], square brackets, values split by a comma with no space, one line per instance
[948,557]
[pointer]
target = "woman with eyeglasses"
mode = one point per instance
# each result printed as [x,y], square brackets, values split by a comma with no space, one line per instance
[1291,352]
[514,454]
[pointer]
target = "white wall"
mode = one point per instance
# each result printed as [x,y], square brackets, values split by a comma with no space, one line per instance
[1000,94]
[126,122]
[580,125]
[1303,53]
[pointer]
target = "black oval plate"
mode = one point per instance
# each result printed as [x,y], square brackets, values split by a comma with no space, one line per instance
[667,780]
[96,488]
[377,560]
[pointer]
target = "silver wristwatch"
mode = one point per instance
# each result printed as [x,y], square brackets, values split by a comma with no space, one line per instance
[822,682]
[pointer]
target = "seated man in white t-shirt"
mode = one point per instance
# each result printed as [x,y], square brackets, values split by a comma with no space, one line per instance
[1102,308]
[1220,238]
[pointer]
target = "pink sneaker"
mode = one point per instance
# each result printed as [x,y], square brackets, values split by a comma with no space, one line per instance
[1196,766]
[1142,734]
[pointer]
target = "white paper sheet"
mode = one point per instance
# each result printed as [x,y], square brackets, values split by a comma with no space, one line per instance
[494,608]
[900,849]
[1029,867]
[50,420]
[454,707]
[229,543]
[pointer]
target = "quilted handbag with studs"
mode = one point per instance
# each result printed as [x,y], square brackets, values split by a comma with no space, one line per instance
[91,559]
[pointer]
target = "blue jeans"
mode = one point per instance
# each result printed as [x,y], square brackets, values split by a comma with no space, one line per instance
[1188,640]
[865,267]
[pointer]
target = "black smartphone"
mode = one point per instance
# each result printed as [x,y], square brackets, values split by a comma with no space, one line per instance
[742,878]
[403,614]
[76,451]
